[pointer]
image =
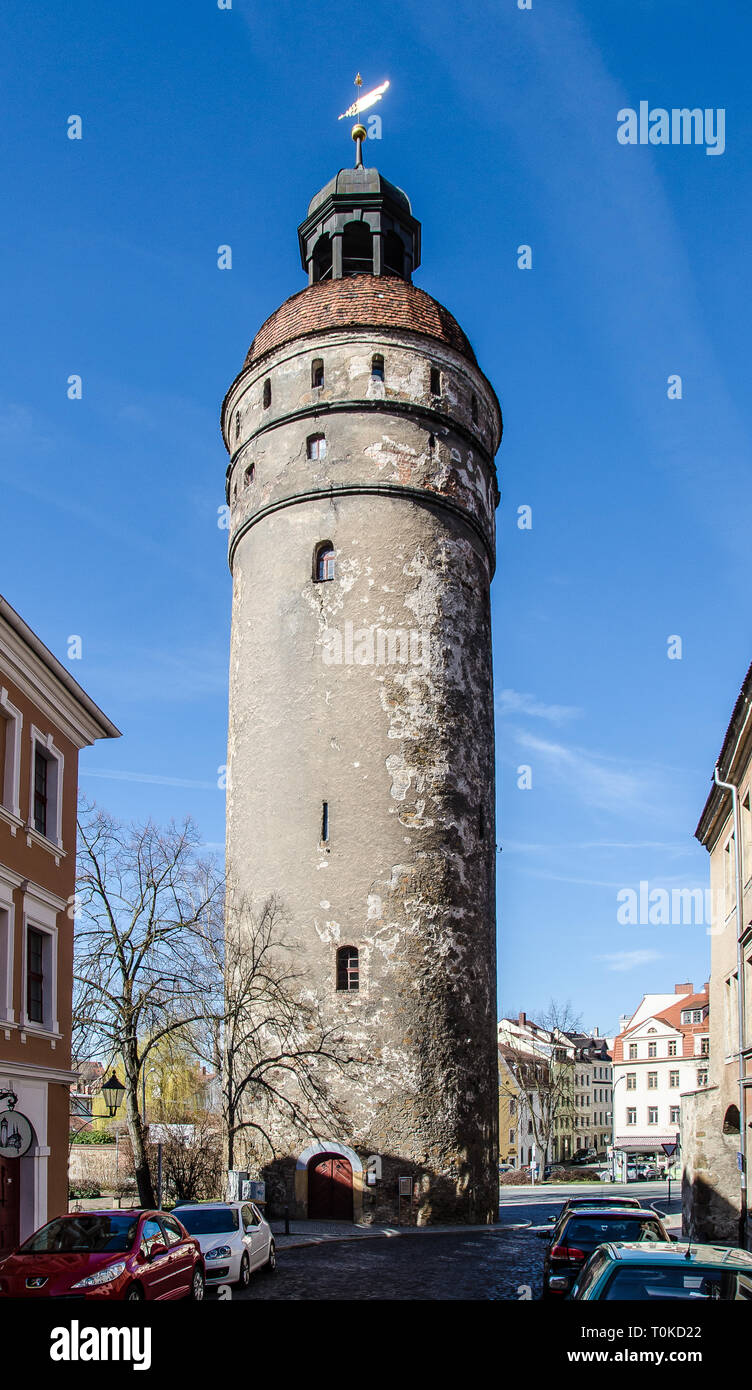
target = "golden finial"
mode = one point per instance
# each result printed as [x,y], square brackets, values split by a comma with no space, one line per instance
[361,103]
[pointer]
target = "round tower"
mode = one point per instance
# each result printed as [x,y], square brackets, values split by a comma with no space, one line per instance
[362,492]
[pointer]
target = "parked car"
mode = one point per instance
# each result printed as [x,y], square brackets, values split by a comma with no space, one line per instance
[573,1202]
[234,1238]
[673,1273]
[580,1230]
[129,1255]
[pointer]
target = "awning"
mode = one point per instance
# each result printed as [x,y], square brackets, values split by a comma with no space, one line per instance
[639,1144]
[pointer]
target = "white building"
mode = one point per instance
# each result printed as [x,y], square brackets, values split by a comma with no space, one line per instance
[661,1053]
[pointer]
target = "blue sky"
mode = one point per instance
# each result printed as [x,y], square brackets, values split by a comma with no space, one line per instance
[203,127]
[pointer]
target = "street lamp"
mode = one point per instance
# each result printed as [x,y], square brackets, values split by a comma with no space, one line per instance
[113,1091]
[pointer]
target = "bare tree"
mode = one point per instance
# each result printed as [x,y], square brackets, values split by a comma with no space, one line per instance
[142,905]
[540,1058]
[274,1050]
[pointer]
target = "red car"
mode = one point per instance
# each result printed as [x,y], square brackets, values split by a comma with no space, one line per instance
[106,1254]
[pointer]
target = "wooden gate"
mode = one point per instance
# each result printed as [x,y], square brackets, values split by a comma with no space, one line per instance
[330,1188]
[9,1204]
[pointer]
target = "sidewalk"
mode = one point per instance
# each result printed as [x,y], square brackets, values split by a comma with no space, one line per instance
[319,1232]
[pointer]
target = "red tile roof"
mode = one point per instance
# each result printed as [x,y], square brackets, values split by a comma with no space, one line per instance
[363,301]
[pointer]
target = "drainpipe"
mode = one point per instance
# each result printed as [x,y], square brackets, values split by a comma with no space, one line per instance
[740,991]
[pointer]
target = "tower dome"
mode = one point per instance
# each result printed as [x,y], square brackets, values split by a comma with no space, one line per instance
[359,223]
[360,794]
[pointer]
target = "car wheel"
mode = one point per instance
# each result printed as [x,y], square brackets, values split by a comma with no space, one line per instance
[245,1273]
[271,1263]
[135,1294]
[197,1285]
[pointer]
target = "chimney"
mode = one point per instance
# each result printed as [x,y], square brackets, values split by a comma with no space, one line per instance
[522,1020]
[687,988]
[596,1033]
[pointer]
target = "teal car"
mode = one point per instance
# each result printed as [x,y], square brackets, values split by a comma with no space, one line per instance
[643,1271]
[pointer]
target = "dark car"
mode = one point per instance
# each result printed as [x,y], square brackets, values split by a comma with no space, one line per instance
[106,1254]
[672,1274]
[572,1203]
[580,1231]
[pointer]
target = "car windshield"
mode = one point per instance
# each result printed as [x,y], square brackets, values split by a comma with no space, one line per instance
[85,1233]
[594,1230]
[673,1285]
[205,1221]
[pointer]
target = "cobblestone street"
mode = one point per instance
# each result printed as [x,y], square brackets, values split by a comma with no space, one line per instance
[478,1265]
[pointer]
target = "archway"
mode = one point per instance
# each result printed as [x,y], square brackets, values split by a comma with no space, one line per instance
[305,1166]
[330,1188]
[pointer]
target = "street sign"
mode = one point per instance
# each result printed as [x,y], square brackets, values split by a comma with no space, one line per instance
[669,1149]
[740,1162]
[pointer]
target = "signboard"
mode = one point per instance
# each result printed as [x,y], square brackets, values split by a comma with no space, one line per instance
[740,1162]
[251,1191]
[669,1149]
[16,1134]
[405,1187]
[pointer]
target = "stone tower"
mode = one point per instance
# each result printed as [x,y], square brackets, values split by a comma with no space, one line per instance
[362,493]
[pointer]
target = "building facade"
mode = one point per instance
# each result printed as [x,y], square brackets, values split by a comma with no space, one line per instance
[537,1066]
[662,1053]
[45,719]
[716,1124]
[593,1083]
[362,491]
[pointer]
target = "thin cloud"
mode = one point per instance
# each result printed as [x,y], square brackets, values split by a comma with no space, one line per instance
[609,784]
[153,778]
[516,702]
[629,960]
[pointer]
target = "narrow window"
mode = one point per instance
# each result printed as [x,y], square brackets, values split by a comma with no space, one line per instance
[474,408]
[431,442]
[40,791]
[316,446]
[317,372]
[324,562]
[267,393]
[377,367]
[34,976]
[237,424]
[435,381]
[324,822]
[348,975]
[248,476]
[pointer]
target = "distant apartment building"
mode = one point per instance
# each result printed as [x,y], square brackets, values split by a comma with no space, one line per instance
[716,1122]
[593,1082]
[536,1093]
[45,719]
[661,1053]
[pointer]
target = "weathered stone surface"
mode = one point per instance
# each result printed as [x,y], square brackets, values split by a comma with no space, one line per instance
[372,692]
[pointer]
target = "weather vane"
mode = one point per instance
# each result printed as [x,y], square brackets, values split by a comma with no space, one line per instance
[361,103]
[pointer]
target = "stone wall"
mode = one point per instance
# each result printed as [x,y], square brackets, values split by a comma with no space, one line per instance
[95,1163]
[710,1178]
[400,747]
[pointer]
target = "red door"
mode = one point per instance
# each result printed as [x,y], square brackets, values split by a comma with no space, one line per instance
[9,1205]
[330,1194]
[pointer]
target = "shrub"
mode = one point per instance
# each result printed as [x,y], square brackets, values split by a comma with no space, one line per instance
[84,1187]
[91,1136]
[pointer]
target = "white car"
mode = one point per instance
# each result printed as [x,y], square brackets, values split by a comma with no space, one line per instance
[234,1238]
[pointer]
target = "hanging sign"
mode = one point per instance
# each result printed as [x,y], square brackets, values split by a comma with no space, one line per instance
[16,1134]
